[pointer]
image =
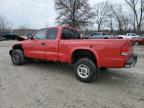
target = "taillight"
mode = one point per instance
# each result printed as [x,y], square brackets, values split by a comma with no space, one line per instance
[125,50]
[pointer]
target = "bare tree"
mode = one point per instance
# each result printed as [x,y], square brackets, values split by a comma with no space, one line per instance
[102,12]
[4,24]
[23,30]
[76,13]
[126,21]
[137,7]
[121,18]
[110,23]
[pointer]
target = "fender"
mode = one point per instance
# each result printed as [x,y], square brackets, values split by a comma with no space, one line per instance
[87,48]
[16,46]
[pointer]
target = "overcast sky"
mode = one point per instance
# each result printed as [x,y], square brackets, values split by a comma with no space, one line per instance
[33,13]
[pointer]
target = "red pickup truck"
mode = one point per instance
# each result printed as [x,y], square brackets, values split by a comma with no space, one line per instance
[63,44]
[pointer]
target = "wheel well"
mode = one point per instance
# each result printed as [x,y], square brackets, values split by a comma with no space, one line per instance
[78,54]
[17,47]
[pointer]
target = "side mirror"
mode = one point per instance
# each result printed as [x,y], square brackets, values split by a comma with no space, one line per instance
[29,36]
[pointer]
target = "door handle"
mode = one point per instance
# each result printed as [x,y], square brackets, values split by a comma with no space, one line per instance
[43,44]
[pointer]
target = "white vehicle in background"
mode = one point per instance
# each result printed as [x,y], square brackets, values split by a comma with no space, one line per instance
[129,36]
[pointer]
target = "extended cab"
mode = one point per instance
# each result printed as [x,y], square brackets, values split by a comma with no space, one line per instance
[62,44]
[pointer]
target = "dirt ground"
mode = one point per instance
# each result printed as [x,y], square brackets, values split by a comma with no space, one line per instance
[53,85]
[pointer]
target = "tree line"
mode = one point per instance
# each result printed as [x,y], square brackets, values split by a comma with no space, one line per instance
[104,15]
[4,24]
[119,18]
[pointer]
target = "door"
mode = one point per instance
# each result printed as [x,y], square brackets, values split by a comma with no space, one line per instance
[35,48]
[52,43]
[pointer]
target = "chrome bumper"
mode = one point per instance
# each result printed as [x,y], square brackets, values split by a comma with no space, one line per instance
[131,62]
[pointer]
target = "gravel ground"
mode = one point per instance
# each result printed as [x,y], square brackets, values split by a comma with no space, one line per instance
[53,85]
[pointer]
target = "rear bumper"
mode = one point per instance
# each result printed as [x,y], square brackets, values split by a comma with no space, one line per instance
[131,62]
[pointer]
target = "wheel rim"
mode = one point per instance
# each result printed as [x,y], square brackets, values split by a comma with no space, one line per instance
[15,58]
[83,71]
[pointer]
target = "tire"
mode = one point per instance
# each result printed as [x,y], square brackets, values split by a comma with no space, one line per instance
[17,57]
[85,70]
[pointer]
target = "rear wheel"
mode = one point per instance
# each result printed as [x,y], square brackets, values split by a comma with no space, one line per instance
[85,70]
[17,57]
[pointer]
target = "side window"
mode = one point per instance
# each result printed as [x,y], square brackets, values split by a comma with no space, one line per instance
[77,35]
[93,34]
[40,34]
[133,34]
[103,34]
[51,33]
[70,34]
[67,34]
[99,34]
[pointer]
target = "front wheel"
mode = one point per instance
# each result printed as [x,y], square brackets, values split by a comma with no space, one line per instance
[85,70]
[17,57]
